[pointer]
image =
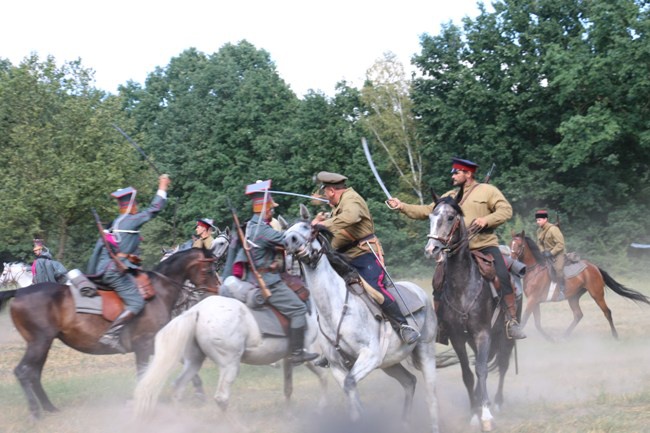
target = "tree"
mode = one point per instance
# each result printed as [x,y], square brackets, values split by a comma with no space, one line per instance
[554,93]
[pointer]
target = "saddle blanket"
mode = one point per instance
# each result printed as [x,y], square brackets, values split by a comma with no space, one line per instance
[570,271]
[408,301]
[85,304]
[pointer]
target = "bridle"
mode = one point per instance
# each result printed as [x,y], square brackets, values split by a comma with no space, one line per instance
[519,252]
[308,255]
[8,276]
[449,247]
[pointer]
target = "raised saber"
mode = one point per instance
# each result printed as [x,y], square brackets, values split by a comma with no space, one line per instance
[295,194]
[138,148]
[366,150]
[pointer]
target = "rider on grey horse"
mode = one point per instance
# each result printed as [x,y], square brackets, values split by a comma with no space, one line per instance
[354,233]
[266,250]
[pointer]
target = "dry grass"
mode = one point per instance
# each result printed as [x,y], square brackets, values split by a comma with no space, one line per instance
[590,383]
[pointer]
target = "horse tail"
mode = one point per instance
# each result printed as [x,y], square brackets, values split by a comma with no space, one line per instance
[622,290]
[6,295]
[170,345]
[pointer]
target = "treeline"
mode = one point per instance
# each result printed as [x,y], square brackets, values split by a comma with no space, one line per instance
[555,93]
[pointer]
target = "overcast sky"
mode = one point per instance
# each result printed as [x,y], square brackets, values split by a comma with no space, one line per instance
[313,45]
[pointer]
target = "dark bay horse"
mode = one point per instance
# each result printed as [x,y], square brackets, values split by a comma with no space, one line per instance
[468,308]
[45,311]
[537,282]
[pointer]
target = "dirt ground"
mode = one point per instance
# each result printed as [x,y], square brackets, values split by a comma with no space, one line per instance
[571,379]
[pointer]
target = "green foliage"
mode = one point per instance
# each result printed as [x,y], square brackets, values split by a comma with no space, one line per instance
[555,93]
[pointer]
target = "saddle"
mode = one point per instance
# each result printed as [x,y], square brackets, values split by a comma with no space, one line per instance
[251,295]
[486,268]
[91,296]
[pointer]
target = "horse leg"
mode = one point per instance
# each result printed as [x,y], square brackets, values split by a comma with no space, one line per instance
[537,316]
[468,376]
[193,359]
[341,376]
[424,356]
[482,341]
[503,362]
[28,372]
[574,303]
[287,369]
[599,297]
[322,379]
[408,381]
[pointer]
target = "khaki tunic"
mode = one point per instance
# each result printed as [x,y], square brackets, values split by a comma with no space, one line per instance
[483,201]
[550,238]
[351,221]
[203,243]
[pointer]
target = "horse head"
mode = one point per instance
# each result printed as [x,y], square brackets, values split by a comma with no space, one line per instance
[301,239]
[194,264]
[446,229]
[221,243]
[517,245]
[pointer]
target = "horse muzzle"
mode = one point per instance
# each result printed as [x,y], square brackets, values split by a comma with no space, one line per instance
[434,250]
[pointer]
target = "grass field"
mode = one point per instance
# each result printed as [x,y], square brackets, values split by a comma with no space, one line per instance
[589,383]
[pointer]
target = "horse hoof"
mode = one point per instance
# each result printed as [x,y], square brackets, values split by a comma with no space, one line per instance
[487,425]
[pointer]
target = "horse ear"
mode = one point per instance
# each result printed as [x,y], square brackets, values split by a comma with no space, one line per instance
[283,223]
[523,233]
[434,196]
[459,196]
[227,231]
[304,212]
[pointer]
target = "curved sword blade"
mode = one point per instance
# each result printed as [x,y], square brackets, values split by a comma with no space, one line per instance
[366,150]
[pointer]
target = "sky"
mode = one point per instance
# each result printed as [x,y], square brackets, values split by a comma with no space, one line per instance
[313,45]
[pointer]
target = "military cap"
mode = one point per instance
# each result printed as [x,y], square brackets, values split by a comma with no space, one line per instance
[542,213]
[125,196]
[208,223]
[463,164]
[260,195]
[330,179]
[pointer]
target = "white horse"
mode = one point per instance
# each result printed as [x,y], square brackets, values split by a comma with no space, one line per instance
[224,330]
[354,342]
[15,275]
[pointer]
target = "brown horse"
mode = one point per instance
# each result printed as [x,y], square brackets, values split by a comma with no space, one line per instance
[537,283]
[45,311]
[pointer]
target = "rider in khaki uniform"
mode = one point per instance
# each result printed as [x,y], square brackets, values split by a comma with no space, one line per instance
[353,229]
[204,229]
[551,242]
[486,208]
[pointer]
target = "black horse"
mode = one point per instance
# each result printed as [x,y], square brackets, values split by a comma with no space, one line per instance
[468,307]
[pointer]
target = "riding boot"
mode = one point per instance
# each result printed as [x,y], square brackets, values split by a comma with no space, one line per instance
[409,334]
[112,336]
[513,329]
[296,345]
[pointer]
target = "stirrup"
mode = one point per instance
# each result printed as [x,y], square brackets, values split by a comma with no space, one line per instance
[301,356]
[518,334]
[112,341]
[409,334]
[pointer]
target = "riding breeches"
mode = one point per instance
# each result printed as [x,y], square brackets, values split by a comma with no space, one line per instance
[558,266]
[502,270]
[126,288]
[288,303]
[372,272]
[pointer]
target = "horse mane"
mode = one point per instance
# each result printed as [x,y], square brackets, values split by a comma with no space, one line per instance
[534,249]
[451,201]
[339,261]
[177,257]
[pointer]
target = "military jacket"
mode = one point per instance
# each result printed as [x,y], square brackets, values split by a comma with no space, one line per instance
[351,221]
[203,243]
[45,269]
[126,232]
[266,247]
[550,238]
[482,201]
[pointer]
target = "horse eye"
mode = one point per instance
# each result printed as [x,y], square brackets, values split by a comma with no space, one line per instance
[450,218]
